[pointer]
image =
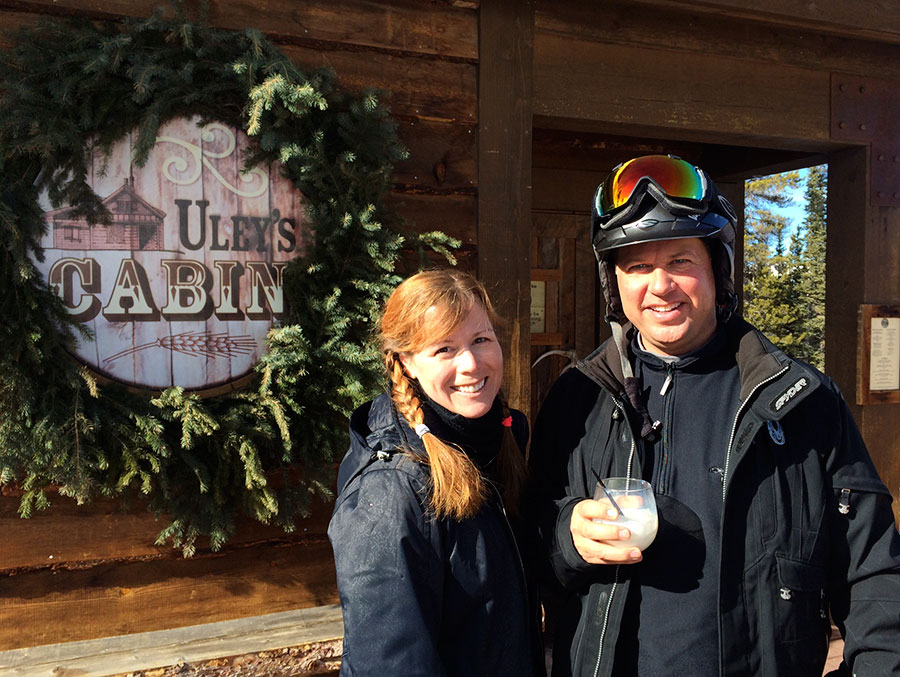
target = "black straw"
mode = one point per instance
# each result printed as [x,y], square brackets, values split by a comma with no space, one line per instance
[606,491]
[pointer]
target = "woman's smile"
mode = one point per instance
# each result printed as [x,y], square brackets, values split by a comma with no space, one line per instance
[463,370]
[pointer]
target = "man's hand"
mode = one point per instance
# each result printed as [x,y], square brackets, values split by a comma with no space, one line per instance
[597,542]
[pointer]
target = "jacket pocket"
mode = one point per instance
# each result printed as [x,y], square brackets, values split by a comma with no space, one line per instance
[802,627]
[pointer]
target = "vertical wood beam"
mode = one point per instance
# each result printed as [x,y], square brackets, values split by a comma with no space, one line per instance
[506,48]
[847,216]
[861,267]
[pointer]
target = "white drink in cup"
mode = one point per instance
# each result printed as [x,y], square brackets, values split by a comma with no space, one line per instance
[638,509]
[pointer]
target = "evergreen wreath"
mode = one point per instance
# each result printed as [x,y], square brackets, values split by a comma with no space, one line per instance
[69,87]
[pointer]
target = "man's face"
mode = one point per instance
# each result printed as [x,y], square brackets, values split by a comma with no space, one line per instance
[668,292]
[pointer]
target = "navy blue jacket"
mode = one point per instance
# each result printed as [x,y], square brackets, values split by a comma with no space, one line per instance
[807,530]
[421,595]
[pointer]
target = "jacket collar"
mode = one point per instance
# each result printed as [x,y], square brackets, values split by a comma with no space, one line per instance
[603,366]
[778,382]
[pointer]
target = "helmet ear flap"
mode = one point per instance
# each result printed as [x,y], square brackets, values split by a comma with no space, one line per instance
[722,260]
[727,208]
[610,287]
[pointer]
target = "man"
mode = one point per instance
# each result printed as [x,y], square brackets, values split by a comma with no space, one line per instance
[772,518]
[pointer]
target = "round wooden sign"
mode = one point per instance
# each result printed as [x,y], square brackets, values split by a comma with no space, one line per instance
[181,287]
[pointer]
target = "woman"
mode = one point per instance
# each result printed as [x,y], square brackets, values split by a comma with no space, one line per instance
[428,569]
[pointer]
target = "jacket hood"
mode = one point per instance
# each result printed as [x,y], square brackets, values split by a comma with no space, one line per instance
[376,431]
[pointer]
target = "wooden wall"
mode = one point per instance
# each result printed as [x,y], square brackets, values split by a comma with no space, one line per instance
[82,572]
[739,91]
[79,572]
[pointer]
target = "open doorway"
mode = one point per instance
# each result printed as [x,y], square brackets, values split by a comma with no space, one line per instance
[567,304]
[784,259]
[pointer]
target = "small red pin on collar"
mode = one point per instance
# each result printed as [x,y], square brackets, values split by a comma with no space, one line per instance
[507,422]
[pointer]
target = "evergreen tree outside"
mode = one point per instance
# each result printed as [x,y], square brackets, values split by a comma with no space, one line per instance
[784,270]
[812,282]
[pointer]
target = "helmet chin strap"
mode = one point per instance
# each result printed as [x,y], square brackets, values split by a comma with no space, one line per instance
[649,428]
[615,318]
[724,311]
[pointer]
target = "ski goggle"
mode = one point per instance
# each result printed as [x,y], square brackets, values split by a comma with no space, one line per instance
[675,178]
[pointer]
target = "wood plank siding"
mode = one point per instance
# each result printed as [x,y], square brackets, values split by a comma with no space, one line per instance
[513,111]
[82,572]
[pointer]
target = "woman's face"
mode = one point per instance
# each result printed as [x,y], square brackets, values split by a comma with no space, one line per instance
[461,371]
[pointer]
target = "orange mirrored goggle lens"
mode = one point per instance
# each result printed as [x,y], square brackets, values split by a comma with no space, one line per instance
[675,177]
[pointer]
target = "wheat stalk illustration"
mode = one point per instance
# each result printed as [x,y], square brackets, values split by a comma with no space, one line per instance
[197,344]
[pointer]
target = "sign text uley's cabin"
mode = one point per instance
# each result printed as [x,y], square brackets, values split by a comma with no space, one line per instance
[182,285]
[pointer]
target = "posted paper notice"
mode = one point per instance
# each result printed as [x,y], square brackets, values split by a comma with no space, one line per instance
[884,365]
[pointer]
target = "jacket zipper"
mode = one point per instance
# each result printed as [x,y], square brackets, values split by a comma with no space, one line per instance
[668,406]
[615,584]
[734,426]
[844,502]
[512,537]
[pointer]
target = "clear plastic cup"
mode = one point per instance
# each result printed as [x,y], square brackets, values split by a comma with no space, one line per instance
[637,503]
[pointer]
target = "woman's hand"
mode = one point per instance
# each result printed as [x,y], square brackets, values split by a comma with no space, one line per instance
[597,543]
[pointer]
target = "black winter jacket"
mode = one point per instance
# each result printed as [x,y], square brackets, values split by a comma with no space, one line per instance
[420,595]
[807,527]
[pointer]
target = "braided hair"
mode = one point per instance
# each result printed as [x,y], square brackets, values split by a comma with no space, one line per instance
[457,488]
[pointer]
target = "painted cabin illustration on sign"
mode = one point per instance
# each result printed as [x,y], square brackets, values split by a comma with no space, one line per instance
[182,284]
[136,225]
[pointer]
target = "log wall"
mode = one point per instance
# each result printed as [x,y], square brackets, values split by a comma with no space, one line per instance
[82,572]
[738,90]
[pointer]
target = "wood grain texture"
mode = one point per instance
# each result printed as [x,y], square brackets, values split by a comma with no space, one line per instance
[441,91]
[691,28]
[188,645]
[442,156]
[871,19]
[882,271]
[123,598]
[848,210]
[68,536]
[566,189]
[408,26]
[666,89]
[504,170]
[452,214]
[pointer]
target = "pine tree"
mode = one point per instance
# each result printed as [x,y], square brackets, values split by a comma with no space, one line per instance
[784,291]
[768,282]
[811,260]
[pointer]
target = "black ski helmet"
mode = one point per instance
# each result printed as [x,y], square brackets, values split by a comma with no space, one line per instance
[662,197]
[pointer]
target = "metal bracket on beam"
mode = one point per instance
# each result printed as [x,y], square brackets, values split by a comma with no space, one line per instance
[868,110]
